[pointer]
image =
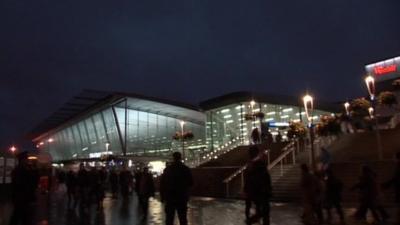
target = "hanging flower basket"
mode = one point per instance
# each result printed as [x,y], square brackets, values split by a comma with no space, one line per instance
[296,129]
[248,117]
[396,84]
[359,107]
[387,98]
[259,115]
[178,136]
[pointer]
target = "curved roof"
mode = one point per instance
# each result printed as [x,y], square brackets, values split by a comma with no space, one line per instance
[89,101]
[243,96]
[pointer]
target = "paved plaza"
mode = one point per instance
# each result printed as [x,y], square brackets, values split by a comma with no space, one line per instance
[202,211]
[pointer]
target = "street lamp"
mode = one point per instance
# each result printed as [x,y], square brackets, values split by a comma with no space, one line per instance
[253,121]
[107,146]
[13,149]
[371,112]
[308,102]
[182,123]
[370,83]
[346,106]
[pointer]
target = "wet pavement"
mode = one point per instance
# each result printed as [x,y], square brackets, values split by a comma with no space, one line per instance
[202,211]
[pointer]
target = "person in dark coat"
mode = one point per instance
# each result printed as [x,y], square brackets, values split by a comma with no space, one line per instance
[257,187]
[278,137]
[369,193]
[114,183]
[83,185]
[145,190]
[175,184]
[255,136]
[125,180]
[71,183]
[25,180]
[312,189]
[395,182]
[333,195]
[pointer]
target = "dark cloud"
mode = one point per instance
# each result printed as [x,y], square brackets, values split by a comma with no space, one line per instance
[186,50]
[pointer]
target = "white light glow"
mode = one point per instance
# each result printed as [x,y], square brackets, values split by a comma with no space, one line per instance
[225,110]
[287,110]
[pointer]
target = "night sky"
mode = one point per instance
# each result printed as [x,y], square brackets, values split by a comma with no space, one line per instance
[186,50]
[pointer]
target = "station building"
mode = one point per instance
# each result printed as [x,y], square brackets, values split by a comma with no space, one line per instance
[95,124]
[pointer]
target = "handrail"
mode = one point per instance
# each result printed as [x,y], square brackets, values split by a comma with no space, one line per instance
[283,155]
[216,153]
[237,172]
[275,162]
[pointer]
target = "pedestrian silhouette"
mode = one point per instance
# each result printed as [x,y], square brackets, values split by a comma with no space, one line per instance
[71,183]
[176,181]
[369,196]
[312,190]
[114,183]
[257,188]
[333,195]
[24,184]
[145,190]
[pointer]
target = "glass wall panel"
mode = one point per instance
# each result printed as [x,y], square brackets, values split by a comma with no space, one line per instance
[228,122]
[112,131]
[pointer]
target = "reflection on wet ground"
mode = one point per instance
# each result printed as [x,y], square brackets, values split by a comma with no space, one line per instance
[202,211]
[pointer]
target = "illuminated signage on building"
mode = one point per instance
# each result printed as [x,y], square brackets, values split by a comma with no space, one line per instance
[381,70]
[384,70]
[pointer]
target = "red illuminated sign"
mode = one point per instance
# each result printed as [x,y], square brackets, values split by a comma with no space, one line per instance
[381,70]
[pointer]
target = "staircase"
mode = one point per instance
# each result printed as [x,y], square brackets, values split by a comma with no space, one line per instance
[285,188]
[209,176]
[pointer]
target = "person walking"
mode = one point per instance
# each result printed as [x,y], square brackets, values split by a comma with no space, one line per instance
[325,159]
[395,183]
[114,183]
[312,196]
[278,137]
[255,136]
[24,182]
[145,190]
[125,180]
[83,182]
[333,195]
[175,184]
[71,183]
[368,188]
[257,188]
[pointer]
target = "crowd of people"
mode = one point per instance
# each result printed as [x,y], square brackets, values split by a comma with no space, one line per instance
[321,189]
[88,186]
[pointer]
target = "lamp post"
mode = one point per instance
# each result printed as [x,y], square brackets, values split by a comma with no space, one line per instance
[346,107]
[13,150]
[252,103]
[370,83]
[107,146]
[182,123]
[308,102]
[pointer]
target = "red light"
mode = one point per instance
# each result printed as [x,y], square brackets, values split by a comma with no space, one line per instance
[13,149]
[381,70]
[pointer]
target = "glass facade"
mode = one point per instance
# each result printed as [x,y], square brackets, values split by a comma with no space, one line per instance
[227,123]
[127,127]
[132,126]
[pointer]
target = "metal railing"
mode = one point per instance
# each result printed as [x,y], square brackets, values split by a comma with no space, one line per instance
[287,150]
[290,149]
[211,155]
